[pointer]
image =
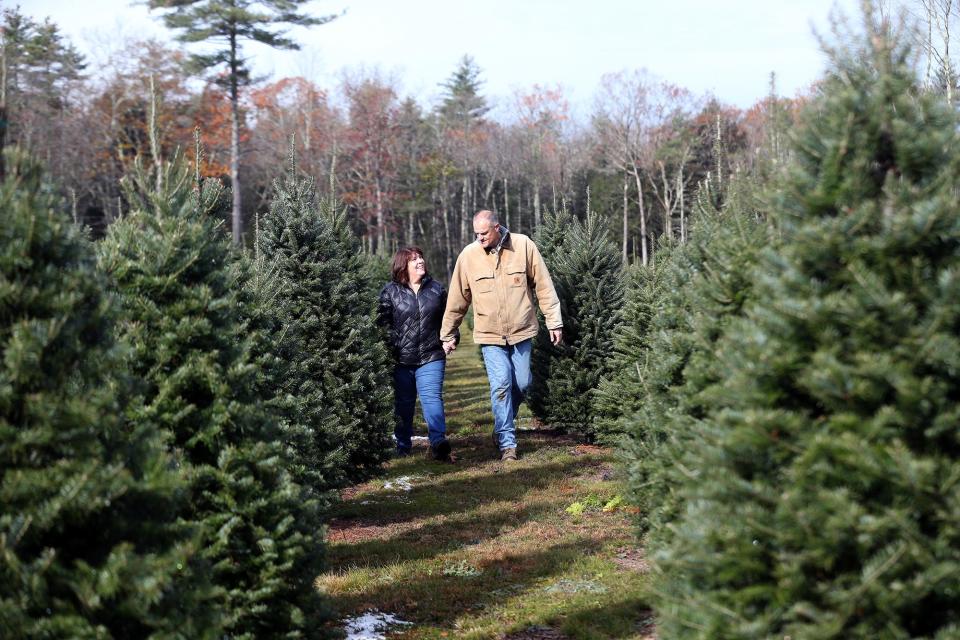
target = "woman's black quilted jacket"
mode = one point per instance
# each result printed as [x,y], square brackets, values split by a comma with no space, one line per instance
[413,321]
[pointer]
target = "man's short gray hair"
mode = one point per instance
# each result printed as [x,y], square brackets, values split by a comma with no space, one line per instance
[486,214]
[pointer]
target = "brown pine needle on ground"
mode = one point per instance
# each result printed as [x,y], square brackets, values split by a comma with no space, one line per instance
[539,549]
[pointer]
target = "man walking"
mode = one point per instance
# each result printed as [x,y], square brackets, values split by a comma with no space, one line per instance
[498,274]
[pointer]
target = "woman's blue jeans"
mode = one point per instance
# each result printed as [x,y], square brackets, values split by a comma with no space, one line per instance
[508,370]
[427,382]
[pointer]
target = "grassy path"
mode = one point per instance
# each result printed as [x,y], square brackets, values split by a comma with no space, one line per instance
[482,550]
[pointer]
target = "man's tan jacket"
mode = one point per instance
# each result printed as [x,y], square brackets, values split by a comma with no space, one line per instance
[500,285]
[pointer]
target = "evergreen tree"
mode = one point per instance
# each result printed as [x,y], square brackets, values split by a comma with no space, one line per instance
[622,392]
[699,288]
[588,275]
[463,102]
[336,369]
[551,237]
[180,283]
[819,501]
[88,544]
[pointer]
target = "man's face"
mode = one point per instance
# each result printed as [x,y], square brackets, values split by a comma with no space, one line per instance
[486,233]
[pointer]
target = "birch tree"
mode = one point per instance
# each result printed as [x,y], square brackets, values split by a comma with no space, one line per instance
[638,123]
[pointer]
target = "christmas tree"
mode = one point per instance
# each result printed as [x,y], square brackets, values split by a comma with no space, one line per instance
[700,287]
[180,283]
[588,275]
[88,541]
[622,392]
[819,502]
[336,372]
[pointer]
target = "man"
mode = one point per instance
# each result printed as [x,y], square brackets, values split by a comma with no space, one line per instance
[498,274]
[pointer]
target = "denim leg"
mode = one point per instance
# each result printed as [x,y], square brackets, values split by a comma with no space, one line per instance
[500,374]
[404,402]
[520,359]
[430,390]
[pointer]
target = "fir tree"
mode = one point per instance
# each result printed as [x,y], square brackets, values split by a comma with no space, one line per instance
[587,273]
[463,103]
[622,392]
[700,287]
[819,502]
[180,283]
[88,544]
[552,234]
[336,368]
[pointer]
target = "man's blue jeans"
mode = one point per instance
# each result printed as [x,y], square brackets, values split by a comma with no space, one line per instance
[427,382]
[508,369]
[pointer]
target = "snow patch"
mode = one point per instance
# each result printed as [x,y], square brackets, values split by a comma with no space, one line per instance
[370,625]
[414,438]
[403,483]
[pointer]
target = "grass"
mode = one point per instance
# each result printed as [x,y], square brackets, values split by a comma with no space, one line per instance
[539,548]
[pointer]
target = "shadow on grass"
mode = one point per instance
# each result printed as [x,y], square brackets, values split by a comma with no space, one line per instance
[452,494]
[433,538]
[474,481]
[619,619]
[442,597]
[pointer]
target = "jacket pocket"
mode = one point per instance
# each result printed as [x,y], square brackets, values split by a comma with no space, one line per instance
[516,276]
[484,303]
[521,317]
[483,283]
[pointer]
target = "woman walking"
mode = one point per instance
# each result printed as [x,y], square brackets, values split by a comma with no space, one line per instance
[411,308]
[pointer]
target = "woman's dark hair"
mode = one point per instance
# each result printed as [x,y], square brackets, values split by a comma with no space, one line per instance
[400,260]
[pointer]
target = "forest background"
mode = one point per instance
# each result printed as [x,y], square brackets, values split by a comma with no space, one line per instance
[409,172]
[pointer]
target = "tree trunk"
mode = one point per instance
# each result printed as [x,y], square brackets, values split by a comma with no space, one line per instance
[644,254]
[683,222]
[447,240]
[928,82]
[463,207]
[3,110]
[666,200]
[411,214]
[536,203]
[236,216]
[381,232]
[626,219]
[506,202]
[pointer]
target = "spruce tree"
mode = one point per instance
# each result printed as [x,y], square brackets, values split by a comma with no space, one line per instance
[180,283]
[622,391]
[336,372]
[819,500]
[701,287]
[588,276]
[88,541]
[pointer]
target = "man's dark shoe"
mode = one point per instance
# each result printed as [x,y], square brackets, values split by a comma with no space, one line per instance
[441,452]
[508,455]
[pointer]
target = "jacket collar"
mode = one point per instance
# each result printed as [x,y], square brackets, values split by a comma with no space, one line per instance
[423,283]
[504,240]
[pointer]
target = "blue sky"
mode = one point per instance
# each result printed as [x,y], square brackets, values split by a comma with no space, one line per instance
[725,48]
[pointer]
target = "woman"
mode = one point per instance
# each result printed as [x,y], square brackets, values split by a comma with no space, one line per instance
[411,309]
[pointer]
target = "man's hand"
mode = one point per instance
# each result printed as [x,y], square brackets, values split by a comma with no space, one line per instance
[449,346]
[556,336]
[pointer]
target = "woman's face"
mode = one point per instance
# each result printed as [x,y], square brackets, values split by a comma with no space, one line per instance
[416,268]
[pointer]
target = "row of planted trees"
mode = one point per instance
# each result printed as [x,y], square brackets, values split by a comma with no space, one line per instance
[784,387]
[175,418]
